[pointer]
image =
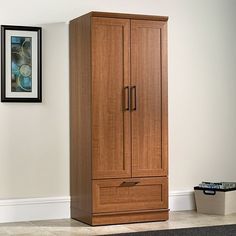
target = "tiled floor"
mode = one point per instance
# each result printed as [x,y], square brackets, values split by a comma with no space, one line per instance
[69,227]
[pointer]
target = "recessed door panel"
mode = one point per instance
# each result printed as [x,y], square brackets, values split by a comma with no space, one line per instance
[110,75]
[148,101]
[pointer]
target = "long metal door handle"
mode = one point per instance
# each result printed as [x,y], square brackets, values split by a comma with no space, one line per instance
[126,98]
[133,98]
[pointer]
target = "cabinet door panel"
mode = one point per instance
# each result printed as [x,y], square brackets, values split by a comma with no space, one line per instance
[110,74]
[149,120]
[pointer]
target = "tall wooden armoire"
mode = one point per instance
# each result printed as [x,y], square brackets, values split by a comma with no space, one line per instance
[118,118]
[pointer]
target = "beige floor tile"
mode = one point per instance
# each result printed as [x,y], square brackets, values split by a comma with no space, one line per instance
[20,228]
[185,219]
[111,229]
[16,224]
[64,227]
[69,227]
[3,233]
[68,233]
[148,226]
[59,223]
[72,231]
[39,233]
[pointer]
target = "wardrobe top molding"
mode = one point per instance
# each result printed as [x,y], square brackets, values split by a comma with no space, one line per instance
[123,16]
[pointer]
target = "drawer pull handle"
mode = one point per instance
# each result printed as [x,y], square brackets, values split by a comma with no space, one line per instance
[129,183]
[126,99]
[133,98]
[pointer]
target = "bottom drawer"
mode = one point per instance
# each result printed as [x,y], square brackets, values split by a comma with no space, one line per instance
[114,195]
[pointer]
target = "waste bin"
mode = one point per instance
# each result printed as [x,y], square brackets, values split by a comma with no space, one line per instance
[215,201]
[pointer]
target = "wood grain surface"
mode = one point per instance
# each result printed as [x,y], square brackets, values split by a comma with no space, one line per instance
[116,195]
[130,217]
[80,120]
[118,157]
[146,70]
[111,73]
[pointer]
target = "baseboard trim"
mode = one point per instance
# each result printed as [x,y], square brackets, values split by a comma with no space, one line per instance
[182,201]
[16,210]
[30,209]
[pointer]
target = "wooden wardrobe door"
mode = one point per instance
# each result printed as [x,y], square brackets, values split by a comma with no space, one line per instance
[149,120]
[110,75]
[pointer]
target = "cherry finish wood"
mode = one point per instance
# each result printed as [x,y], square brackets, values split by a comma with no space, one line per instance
[164,95]
[126,16]
[119,157]
[111,73]
[116,195]
[147,51]
[80,120]
[130,217]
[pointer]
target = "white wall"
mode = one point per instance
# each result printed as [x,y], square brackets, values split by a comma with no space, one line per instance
[34,146]
[34,138]
[202,98]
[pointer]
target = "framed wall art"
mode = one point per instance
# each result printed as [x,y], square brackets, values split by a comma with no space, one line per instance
[21,64]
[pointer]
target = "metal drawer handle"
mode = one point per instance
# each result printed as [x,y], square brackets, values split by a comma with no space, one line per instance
[126,98]
[133,98]
[129,183]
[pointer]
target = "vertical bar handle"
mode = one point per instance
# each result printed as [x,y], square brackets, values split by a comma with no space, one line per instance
[133,98]
[126,99]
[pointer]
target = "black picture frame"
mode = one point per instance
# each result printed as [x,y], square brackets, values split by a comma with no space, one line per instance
[9,93]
